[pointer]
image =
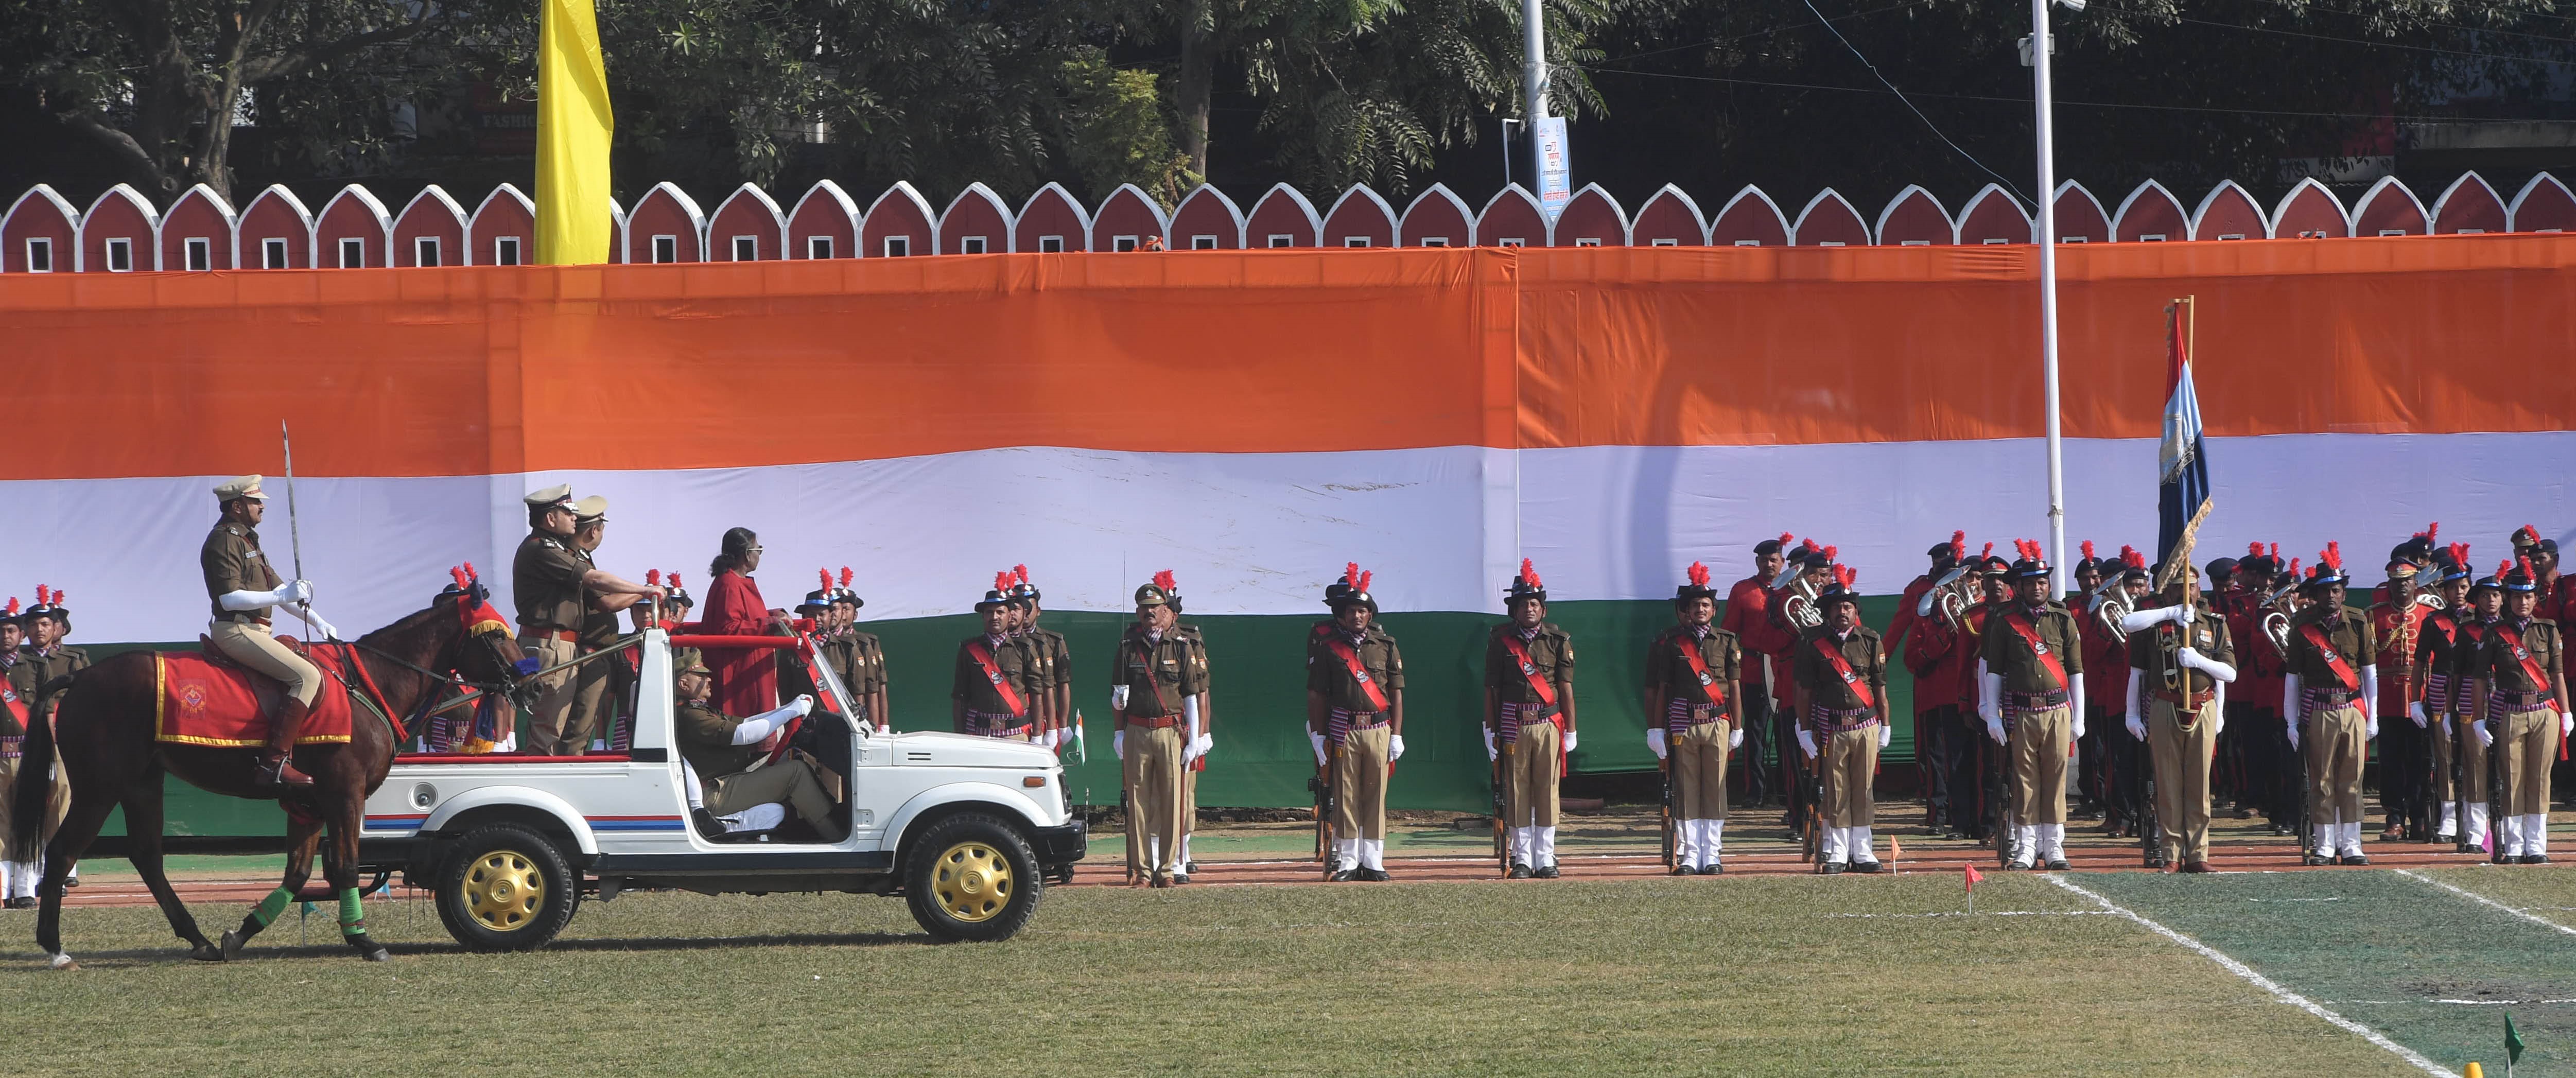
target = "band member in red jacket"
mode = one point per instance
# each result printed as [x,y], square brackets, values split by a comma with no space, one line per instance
[1748,604]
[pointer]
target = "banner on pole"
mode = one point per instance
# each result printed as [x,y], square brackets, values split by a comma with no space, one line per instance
[2182,494]
[1555,166]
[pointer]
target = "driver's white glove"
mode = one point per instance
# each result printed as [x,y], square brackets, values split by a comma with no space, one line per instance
[1886,733]
[1807,742]
[803,705]
[1493,750]
[2137,729]
[1318,740]
[1394,747]
[1569,741]
[1118,744]
[1655,741]
[2486,736]
[2415,711]
[1735,738]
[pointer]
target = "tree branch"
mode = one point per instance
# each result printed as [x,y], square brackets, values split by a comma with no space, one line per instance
[127,151]
[289,63]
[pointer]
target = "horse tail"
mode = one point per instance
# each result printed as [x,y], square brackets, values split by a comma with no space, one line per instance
[34,786]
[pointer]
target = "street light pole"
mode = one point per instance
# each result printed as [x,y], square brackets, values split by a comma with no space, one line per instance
[1534,82]
[2047,236]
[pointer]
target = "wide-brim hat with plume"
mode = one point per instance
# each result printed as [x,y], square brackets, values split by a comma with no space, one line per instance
[2452,563]
[675,595]
[2033,561]
[1525,586]
[2132,563]
[1020,588]
[2328,570]
[1843,589]
[1773,546]
[1352,589]
[1991,564]
[49,604]
[819,599]
[1695,585]
[1160,592]
[2268,564]
[2411,556]
[999,594]
[843,593]
[1948,554]
[2493,581]
[2520,576]
[10,614]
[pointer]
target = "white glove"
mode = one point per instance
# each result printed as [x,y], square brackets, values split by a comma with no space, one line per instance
[2486,737]
[2218,718]
[1394,747]
[2370,696]
[1886,734]
[1735,738]
[1118,744]
[1189,752]
[2415,711]
[1995,729]
[2566,724]
[1207,744]
[1318,739]
[1807,742]
[2293,726]
[1569,741]
[321,629]
[2075,705]
[2180,614]
[2192,658]
[2371,729]
[294,591]
[1990,694]
[2139,621]
[2137,729]
[1118,698]
[1655,741]
[2290,704]
[1493,749]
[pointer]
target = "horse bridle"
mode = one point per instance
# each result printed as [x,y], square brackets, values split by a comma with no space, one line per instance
[512,688]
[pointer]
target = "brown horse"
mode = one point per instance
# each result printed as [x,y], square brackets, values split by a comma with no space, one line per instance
[104,733]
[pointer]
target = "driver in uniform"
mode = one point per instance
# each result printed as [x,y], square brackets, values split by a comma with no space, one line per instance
[727,753]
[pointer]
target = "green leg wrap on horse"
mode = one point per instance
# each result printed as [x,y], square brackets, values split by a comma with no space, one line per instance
[353,921]
[268,909]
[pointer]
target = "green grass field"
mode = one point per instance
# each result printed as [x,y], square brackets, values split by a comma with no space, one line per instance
[1748,975]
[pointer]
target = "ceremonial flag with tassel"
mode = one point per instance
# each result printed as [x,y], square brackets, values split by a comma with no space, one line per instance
[573,127]
[2182,499]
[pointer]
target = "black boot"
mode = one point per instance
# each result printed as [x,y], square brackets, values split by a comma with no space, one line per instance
[276,768]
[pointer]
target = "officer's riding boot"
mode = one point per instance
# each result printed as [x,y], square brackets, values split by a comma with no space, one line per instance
[276,769]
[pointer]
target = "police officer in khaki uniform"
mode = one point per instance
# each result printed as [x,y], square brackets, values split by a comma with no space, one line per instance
[1055,659]
[244,587]
[725,756]
[859,657]
[994,687]
[591,700]
[1355,704]
[2180,662]
[1841,668]
[42,660]
[14,713]
[2521,689]
[1694,720]
[2030,679]
[1154,701]
[2446,636]
[1190,635]
[2332,696]
[555,587]
[1529,720]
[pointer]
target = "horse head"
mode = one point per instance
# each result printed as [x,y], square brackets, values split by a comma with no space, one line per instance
[482,651]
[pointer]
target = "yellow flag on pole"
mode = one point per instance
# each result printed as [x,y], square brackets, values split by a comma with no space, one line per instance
[573,127]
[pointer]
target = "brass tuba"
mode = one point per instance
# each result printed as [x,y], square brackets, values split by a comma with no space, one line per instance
[1948,595]
[2275,621]
[1798,606]
[2110,605]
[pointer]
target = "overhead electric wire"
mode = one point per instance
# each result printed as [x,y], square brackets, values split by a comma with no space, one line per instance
[2006,181]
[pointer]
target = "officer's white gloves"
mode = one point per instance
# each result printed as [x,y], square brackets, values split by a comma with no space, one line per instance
[1886,734]
[1569,741]
[2486,735]
[1995,729]
[1318,740]
[803,705]
[2370,698]
[1206,744]
[2137,703]
[2075,704]
[293,591]
[1189,751]
[2137,729]
[321,628]
[1118,698]
[1655,741]
[1118,744]
[1735,738]
[1394,747]
[1807,742]
[2290,705]
[2415,711]
[758,727]
[1493,750]
[2219,671]
[2566,724]
[1990,701]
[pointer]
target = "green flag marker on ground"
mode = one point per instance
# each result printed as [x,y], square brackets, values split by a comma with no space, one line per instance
[2512,1044]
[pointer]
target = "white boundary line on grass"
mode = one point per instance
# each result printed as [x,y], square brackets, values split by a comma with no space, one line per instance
[2258,980]
[2485,901]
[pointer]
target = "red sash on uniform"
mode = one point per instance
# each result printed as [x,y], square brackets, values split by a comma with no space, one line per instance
[2343,671]
[1359,671]
[1826,645]
[1529,668]
[1699,671]
[2029,633]
[2540,682]
[983,656]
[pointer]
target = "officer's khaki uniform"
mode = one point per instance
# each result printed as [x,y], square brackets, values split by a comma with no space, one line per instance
[1361,733]
[2182,726]
[1699,720]
[2040,712]
[1529,732]
[1159,673]
[232,561]
[2523,714]
[988,713]
[545,585]
[1844,717]
[2336,736]
[725,769]
[588,717]
[2440,647]
[1189,634]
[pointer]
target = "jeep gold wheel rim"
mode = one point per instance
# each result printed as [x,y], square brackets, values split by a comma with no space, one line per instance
[973,882]
[504,890]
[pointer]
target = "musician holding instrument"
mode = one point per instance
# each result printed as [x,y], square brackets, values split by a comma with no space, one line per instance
[2265,768]
[2438,647]
[2521,694]
[1944,638]
[1748,616]
[2030,676]
[2125,760]
[2097,594]
[2332,695]
[2180,661]
[2397,622]
[1936,714]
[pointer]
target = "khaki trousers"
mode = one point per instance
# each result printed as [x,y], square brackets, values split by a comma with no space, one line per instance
[1153,769]
[554,692]
[1531,769]
[1359,802]
[2335,741]
[1850,764]
[2472,786]
[1189,800]
[2526,745]
[789,780]
[585,720]
[2443,787]
[1699,771]
[250,644]
[2039,743]
[2182,755]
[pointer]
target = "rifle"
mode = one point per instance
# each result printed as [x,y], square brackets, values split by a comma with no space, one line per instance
[2460,784]
[2154,829]
[2306,823]
[1665,768]
[1502,842]
[1327,805]
[2495,800]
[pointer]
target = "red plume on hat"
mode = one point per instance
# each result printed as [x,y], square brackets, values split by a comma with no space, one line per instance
[1784,539]
[58,597]
[2528,535]
[2129,556]
[1988,552]
[2520,564]
[1845,575]
[1831,553]
[2432,533]
[1529,572]
[1020,573]
[457,572]
[1698,575]
[2088,551]
[13,606]
[1806,547]
[2332,556]
[653,577]
[827,579]
[1164,582]
[2294,565]
[2503,567]
[1958,545]
[1002,581]
[44,595]
[2460,555]
[1363,584]
[845,578]
[2254,550]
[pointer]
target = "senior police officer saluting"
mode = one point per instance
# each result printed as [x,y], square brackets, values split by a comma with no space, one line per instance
[2332,707]
[1842,677]
[1355,700]
[2031,672]
[244,587]
[1694,715]
[550,582]
[1154,685]
[2180,661]
[1529,716]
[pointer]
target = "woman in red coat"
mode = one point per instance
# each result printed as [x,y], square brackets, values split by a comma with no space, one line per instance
[746,679]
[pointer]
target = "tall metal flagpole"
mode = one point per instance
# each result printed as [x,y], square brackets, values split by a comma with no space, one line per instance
[2041,106]
[1534,83]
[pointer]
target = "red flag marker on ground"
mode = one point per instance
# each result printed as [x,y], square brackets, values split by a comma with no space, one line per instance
[1970,873]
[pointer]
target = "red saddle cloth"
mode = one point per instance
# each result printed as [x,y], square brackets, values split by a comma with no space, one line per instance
[204,699]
